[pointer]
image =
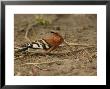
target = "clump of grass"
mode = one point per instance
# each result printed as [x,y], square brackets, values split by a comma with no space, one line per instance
[40,20]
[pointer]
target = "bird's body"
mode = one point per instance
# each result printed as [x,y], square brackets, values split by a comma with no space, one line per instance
[54,39]
[47,43]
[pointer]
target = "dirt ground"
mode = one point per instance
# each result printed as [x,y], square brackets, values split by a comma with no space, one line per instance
[79,58]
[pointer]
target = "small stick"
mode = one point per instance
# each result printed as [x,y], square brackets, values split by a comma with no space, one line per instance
[70,48]
[74,44]
[36,64]
[43,62]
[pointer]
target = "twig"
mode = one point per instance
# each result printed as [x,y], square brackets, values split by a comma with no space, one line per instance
[43,62]
[74,44]
[36,64]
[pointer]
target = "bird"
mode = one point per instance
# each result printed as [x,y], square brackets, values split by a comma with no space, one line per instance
[47,43]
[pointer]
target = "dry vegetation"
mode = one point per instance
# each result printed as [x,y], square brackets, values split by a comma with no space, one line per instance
[76,58]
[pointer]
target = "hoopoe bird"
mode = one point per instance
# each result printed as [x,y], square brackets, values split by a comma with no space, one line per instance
[47,43]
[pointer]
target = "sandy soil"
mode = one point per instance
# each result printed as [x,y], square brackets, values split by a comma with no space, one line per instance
[73,60]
